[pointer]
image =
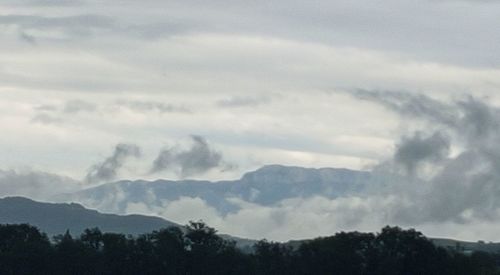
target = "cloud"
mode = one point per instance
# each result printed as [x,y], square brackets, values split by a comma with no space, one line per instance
[54,114]
[463,187]
[48,3]
[227,50]
[471,118]
[293,218]
[197,159]
[243,101]
[35,184]
[75,22]
[30,39]
[149,106]
[414,150]
[45,118]
[412,105]
[479,120]
[76,106]
[108,169]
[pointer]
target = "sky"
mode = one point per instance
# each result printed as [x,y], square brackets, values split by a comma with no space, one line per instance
[100,91]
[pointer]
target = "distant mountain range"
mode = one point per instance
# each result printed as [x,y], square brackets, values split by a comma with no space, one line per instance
[265,186]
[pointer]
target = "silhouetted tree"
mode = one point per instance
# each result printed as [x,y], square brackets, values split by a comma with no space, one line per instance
[404,252]
[92,238]
[116,254]
[200,251]
[344,253]
[272,258]
[203,247]
[169,247]
[23,250]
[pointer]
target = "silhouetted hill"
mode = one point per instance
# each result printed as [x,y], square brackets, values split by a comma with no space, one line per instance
[56,218]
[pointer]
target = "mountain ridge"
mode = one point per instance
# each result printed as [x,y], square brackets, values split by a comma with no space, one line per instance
[267,185]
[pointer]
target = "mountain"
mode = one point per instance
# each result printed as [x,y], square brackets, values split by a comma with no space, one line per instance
[56,218]
[265,186]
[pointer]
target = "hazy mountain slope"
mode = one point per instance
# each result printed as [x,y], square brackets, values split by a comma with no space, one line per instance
[467,246]
[55,218]
[273,183]
[265,186]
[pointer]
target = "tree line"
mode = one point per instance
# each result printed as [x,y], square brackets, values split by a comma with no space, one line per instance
[198,249]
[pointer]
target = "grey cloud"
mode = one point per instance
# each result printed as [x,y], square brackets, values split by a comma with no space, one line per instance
[47,3]
[159,29]
[148,106]
[30,39]
[73,26]
[412,105]
[464,187]
[49,113]
[414,150]
[243,101]
[86,24]
[40,22]
[56,113]
[46,107]
[34,184]
[470,118]
[479,120]
[75,106]
[45,118]
[198,159]
[108,169]
[411,31]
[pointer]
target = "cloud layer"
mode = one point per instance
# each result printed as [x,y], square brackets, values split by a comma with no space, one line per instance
[79,77]
[425,184]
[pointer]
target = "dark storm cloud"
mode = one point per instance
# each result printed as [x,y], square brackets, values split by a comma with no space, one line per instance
[108,169]
[197,159]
